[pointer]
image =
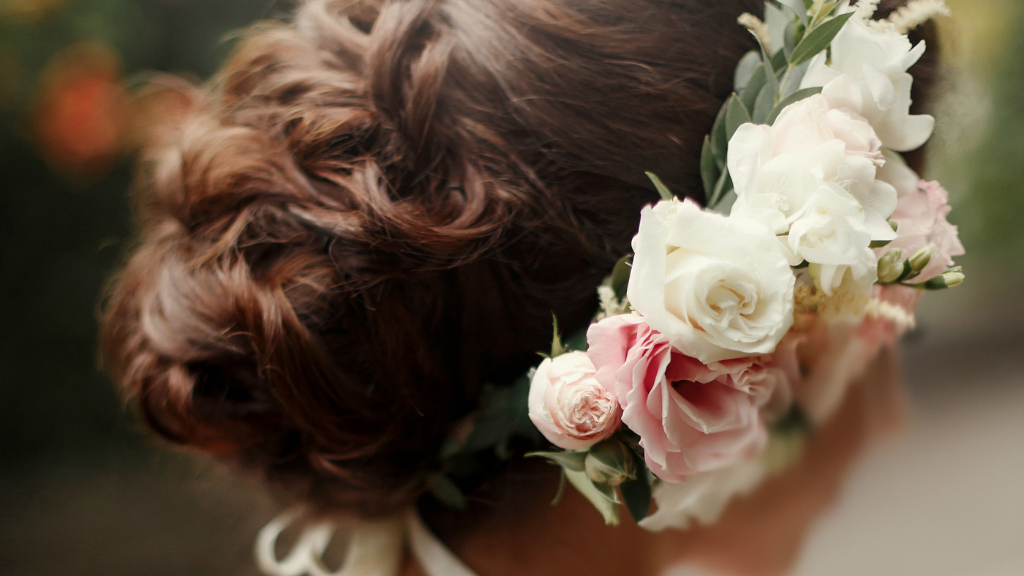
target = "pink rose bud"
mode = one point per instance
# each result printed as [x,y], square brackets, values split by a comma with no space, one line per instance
[569,406]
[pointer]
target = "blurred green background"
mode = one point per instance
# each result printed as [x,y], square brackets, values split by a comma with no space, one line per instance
[82,490]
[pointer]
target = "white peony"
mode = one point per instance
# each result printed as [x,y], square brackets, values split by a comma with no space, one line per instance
[867,73]
[718,288]
[811,179]
[702,497]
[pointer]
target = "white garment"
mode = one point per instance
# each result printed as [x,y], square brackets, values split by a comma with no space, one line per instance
[374,548]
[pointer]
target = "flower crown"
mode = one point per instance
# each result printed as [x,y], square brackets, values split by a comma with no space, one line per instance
[733,329]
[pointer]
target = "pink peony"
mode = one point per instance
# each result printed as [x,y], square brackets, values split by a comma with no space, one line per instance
[569,406]
[691,417]
[921,220]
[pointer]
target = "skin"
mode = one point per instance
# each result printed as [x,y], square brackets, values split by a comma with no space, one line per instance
[760,535]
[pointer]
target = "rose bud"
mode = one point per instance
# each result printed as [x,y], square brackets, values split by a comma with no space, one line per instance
[569,406]
[610,464]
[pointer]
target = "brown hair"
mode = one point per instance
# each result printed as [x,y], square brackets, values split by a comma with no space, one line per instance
[374,211]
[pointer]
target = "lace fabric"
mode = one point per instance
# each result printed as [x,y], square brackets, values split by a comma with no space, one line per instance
[373,548]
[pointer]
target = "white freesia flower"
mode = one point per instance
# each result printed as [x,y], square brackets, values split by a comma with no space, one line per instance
[867,73]
[811,179]
[896,173]
[702,497]
[718,288]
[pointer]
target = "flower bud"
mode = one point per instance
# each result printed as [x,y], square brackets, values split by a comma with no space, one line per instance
[922,257]
[610,463]
[948,280]
[890,267]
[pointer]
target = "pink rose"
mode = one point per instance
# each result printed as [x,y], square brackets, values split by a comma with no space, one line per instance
[569,406]
[921,220]
[691,417]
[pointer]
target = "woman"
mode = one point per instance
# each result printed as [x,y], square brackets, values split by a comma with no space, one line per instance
[369,216]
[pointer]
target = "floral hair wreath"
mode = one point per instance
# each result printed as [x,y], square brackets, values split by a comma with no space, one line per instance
[733,329]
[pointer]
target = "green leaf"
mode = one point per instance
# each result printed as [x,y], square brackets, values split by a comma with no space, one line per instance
[736,115]
[569,460]
[721,188]
[745,70]
[561,490]
[791,99]
[709,171]
[447,493]
[790,40]
[620,274]
[663,190]
[753,87]
[818,39]
[771,82]
[719,140]
[779,61]
[637,496]
[503,414]
[599,498]
[763,106]
[610,462]
[557,348]
[798,8]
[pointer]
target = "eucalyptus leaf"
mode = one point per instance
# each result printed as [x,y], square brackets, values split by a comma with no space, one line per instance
[764,105]
[780,61]
[745,70]
[724,185]
[447,493]
[771,83]
[607,507]
[637,496]
[750,92]
[818,39]
[620,274]
[572,461]
[709,171]
[791,99]
[792,78]
[798,8]
[719,141]
[663,190]
[736,115]
[789,43]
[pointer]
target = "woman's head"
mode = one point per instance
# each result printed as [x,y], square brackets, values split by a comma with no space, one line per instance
[372,213]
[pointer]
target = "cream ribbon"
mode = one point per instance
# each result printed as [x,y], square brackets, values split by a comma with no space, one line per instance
[373,549]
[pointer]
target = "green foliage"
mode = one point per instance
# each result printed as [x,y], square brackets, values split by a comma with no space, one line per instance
[817,39]
[602,497]
[663,190]
[570,460]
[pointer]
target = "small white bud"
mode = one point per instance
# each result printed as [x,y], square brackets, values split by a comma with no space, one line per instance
[890,267]
[922,257]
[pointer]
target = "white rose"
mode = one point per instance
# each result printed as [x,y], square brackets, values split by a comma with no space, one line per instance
[867,73]
[569,406]
[702,497]
[718,288]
